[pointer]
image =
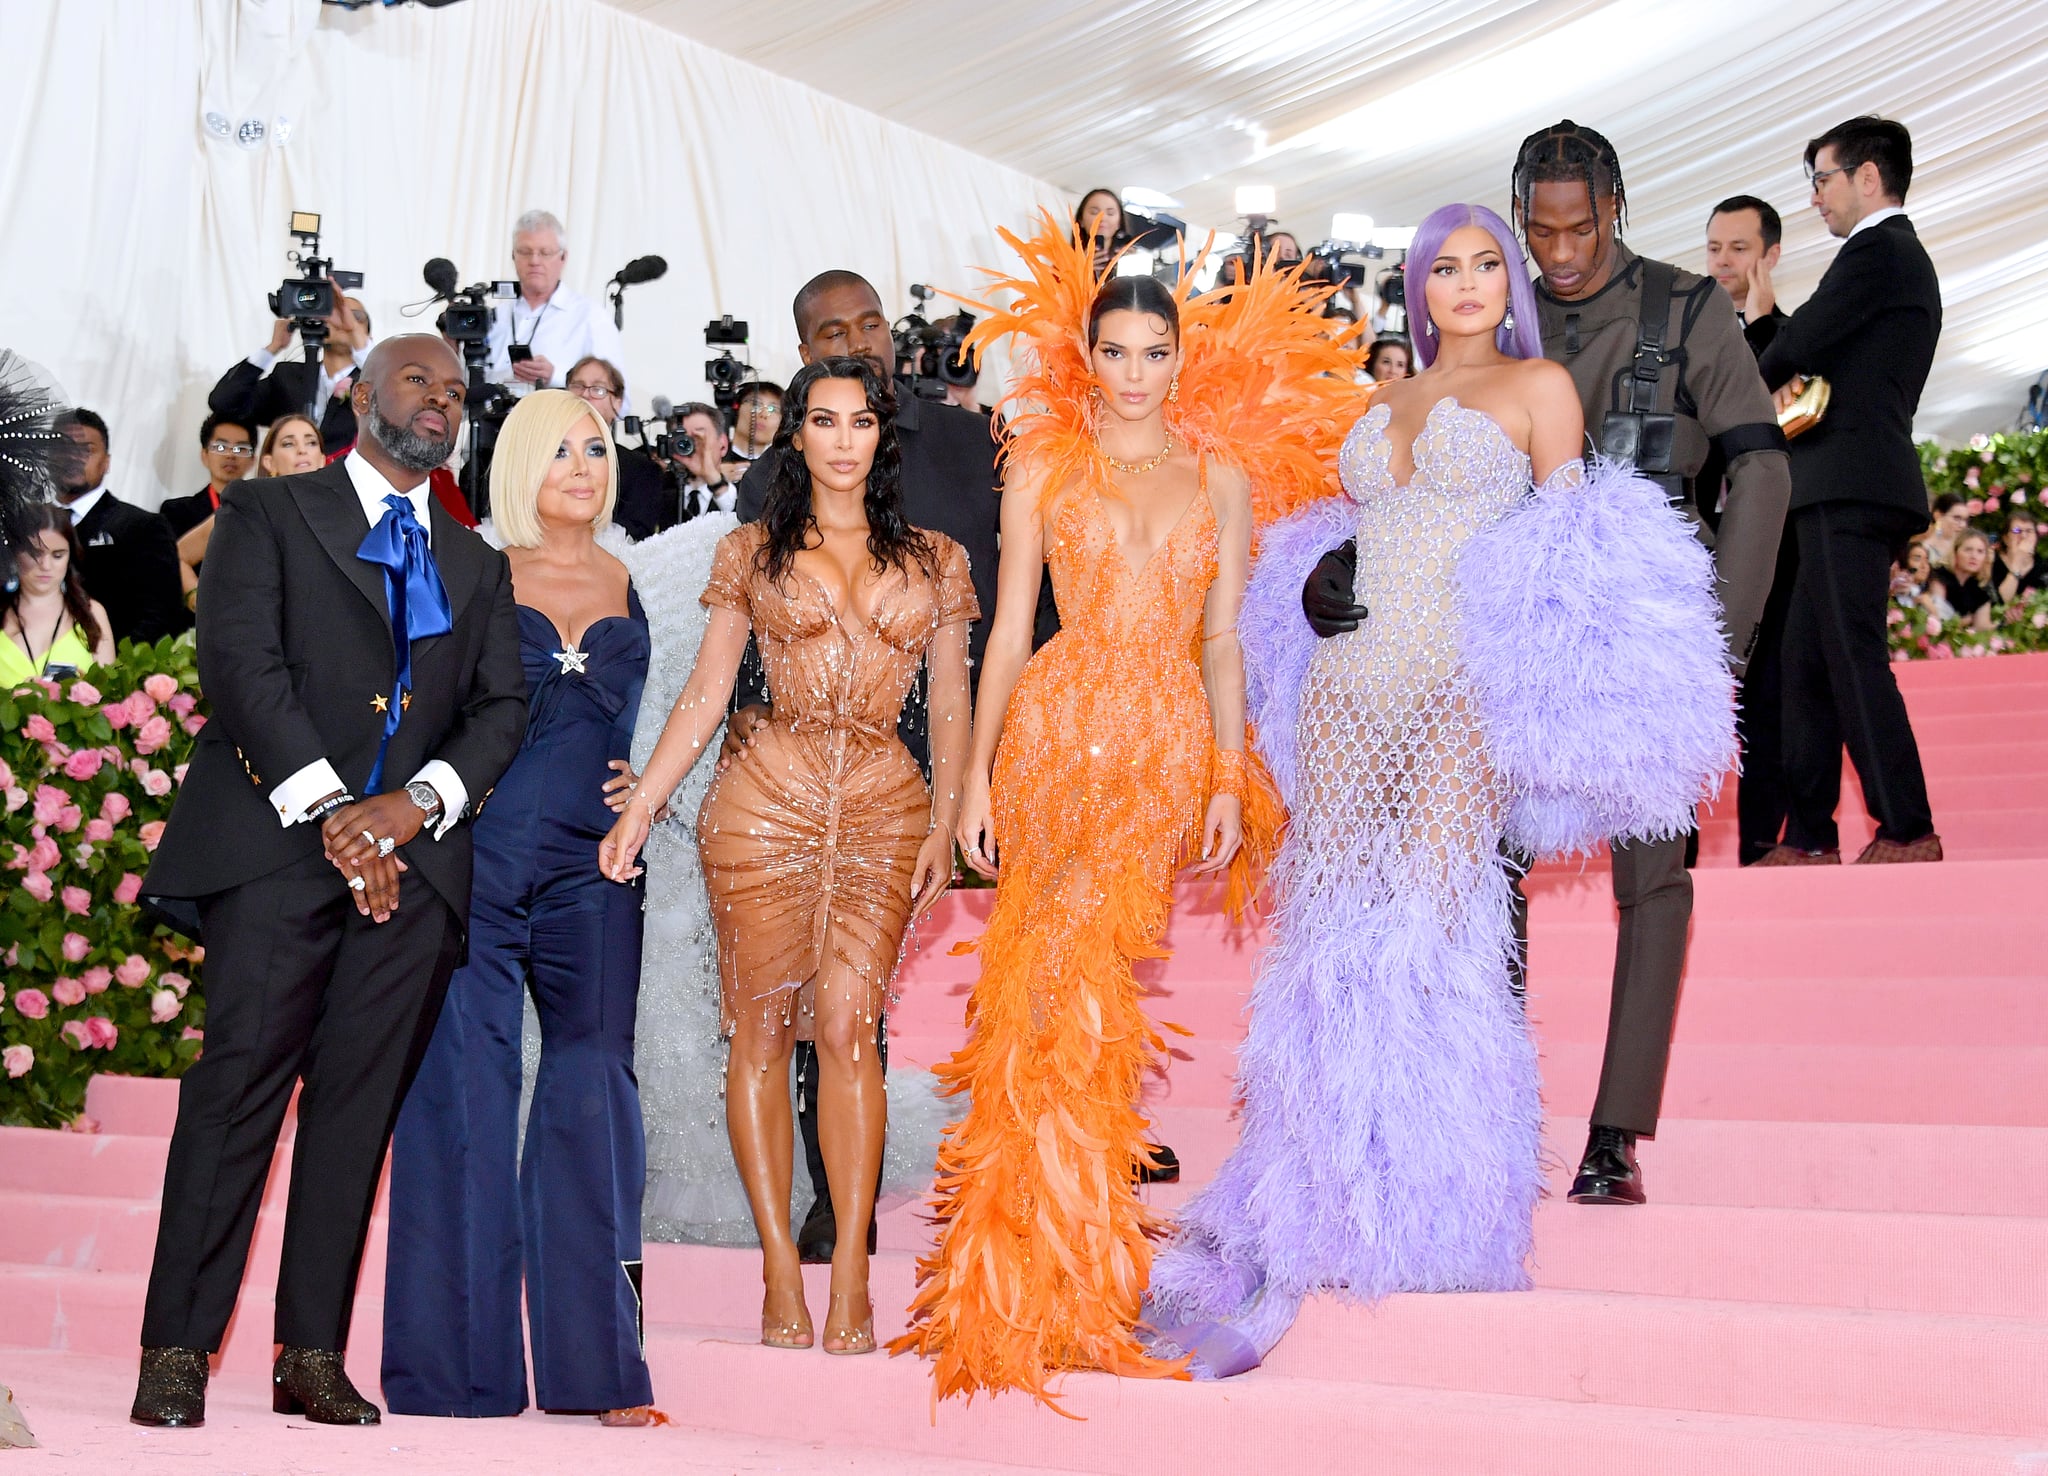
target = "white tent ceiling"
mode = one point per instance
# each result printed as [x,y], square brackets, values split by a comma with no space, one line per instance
[1394,107]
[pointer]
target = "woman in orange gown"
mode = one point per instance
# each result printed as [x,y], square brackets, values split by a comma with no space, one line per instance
[820,842]
[1102,767]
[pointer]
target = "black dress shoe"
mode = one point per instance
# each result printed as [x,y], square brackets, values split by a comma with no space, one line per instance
[819,1236]
[1608,1173]
[1164,1168]
[171,1392]
[312,1382]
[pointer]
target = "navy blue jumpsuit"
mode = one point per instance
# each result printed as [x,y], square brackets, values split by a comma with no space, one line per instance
[466,1208]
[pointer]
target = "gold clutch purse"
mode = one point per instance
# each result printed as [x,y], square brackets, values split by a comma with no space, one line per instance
[1807,411]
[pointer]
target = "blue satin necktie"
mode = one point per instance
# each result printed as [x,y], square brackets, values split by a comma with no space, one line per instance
[418,602]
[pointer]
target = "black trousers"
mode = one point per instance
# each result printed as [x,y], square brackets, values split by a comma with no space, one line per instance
[1838,684]
[299,988]
[1761,799]
[1653,891]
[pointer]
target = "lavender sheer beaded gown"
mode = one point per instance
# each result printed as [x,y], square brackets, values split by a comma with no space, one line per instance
[1391,1114]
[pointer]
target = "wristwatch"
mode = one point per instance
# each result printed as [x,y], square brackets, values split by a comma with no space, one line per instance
[425,796]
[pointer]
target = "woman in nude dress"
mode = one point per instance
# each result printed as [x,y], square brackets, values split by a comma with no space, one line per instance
[820,842]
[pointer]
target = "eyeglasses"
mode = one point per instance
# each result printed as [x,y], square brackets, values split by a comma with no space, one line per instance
[1813,180]
[535,253]
[231,448]
[595,391]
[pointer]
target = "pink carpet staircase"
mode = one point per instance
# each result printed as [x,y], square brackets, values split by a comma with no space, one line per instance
[1843,1270]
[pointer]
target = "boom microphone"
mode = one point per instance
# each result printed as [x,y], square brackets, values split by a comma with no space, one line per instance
[440,275]
[663,407]
[641,269]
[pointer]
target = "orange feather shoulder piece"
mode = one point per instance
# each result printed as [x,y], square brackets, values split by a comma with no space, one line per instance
[1263,384]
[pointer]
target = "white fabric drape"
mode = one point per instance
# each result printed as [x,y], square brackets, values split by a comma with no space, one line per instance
[138,247]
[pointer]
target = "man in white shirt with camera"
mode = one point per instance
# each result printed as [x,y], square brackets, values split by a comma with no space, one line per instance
[540,334]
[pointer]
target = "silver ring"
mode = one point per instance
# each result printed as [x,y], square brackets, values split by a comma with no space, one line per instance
[386,845]
[370,836]
[356,884]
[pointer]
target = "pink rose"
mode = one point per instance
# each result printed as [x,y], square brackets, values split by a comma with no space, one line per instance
[39,729]
[116,714]
[133,971]
[178,774]
[70,818]
[103,1032]
[1974,506]
[1971,476]
[16,798]
[140,708]
[82,853]
[183,703]
[84,764]
[18,1059]
[33,1003]
[128,888]
[164,1006]
[115,807]
[1991,504]
[77,901]
[68,991]
[76,946]
[152,735]
[50,803]
[156,783]
[191,1034]
[98,831]
[152,831]
[6,775]
[56,753]
[84,693]
[193,724]
[96,979]
[177,982]
[2019,498]
[37,885]
[160,686]
[43,855]
[75,1032]
[49,688]
[138,767]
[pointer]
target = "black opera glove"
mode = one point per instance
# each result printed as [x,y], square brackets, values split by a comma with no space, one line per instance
[1328,597]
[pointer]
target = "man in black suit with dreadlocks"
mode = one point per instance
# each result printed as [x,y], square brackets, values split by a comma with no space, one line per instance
[1665,375]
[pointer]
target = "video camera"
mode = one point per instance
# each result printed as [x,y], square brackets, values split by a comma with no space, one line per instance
[467,321]
[726,373]
[934,352]
[309,299]
[671,441]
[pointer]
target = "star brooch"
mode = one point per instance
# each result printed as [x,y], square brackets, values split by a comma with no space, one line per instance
[571,659]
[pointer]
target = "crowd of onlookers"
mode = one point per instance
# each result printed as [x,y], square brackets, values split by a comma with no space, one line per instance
[1954,572]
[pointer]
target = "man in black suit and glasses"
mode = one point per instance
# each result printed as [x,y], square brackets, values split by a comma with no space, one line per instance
[357,642]
[1857,495]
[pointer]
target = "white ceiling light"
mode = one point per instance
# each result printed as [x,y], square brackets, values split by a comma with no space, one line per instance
[1256,200]
[1347,227]
[1146,199]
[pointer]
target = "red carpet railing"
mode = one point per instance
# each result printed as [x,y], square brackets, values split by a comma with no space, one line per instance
[89,768]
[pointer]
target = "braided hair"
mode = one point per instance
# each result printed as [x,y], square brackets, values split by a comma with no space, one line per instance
[1562,153]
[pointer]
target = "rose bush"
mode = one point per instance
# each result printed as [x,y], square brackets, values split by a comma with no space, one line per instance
[1995,476]
[88,771]
[2021,626]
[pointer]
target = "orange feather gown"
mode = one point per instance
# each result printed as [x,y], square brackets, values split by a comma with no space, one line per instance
[1101,784]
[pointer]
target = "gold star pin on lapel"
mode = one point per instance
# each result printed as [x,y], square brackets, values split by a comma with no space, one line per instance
[405,702]
[379,702]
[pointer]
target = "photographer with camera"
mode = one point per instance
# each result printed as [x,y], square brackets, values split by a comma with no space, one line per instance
[547,326]
[756,417]
[265,387]
[698,446]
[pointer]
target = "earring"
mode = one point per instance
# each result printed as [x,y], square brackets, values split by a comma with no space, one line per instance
[1508,323]
[1173,391]
[1429,326]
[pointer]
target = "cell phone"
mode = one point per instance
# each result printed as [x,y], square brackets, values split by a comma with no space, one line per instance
[519,353]
[60,671]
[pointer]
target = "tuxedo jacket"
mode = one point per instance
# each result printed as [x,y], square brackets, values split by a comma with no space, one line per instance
[1869,329]
[130,565]
[295,656]
[260,399]
[186,513]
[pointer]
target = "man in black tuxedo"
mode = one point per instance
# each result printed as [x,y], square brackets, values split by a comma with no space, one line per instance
[263,388]
[1744,237]
[950,485]
[130,563]
[1857,496]
[227,449]
[357,641]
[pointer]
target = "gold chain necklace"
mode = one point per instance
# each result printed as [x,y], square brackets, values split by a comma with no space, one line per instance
[1139,468]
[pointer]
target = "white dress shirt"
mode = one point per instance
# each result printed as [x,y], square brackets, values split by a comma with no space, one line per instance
[565,328]
[84,503]
[318,779]
[265,360]
[721,498]
[1873,218]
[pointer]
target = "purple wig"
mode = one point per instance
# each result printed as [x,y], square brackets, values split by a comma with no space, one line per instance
[1524,341]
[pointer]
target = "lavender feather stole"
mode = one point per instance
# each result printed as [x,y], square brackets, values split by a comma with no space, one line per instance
[1592,633]
[1274,632]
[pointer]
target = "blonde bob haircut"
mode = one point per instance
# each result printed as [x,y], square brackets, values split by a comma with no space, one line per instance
[527,443]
